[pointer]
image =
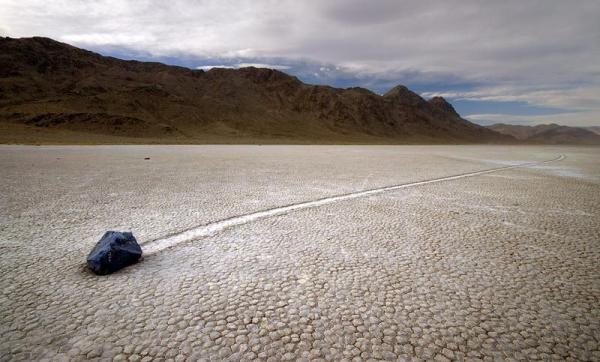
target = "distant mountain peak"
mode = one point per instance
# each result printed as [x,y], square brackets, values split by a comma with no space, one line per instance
[439,100]
[402,95]
[441,104]
[400,91]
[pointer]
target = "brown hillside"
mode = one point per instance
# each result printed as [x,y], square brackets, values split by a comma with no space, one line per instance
[54,92]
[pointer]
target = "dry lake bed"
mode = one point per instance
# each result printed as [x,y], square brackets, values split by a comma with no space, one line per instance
[302,253]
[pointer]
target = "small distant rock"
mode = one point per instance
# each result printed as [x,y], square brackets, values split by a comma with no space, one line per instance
[146,158]
[114,251]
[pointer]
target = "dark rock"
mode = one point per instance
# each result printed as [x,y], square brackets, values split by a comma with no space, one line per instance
[114,251]
[146,158]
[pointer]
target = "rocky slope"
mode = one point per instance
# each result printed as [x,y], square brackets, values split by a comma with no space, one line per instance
[550,134]
[54,92]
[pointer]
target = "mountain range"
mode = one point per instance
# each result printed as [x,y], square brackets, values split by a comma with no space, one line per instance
[53,92]
[550,133]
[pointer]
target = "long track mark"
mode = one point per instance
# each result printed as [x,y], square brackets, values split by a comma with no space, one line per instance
[157,245]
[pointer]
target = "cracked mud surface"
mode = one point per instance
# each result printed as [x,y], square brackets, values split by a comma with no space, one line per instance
[497,266]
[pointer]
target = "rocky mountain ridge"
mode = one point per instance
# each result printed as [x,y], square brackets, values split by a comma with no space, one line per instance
[54,92]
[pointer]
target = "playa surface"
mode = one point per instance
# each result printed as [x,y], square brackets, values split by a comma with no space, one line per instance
[491,265]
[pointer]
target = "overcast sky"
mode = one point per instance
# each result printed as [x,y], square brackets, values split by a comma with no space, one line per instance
[496,61]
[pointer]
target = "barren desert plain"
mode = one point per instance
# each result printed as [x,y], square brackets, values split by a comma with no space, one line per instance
[302,253]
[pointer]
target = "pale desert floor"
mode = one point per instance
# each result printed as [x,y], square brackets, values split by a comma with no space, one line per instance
[498,265]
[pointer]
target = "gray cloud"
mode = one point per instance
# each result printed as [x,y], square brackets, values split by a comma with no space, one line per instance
[526,46]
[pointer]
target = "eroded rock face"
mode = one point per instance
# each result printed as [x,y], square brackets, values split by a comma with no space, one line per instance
[114,251]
